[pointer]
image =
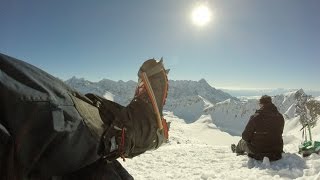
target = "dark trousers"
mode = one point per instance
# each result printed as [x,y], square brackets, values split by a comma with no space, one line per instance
[101,170]
[243,148]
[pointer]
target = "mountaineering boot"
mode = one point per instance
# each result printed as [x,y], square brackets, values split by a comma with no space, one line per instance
[151,128]
[233,148]
[140,126]
[153,72]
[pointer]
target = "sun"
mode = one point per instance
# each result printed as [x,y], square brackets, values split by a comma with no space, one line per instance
[201,15]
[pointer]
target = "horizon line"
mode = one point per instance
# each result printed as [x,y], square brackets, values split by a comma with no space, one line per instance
[231,88]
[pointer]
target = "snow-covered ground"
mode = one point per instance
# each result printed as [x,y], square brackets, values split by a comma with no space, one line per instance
[201,151]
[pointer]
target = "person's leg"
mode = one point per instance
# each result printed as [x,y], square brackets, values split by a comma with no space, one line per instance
[49,136]
[140,126]
[123,173]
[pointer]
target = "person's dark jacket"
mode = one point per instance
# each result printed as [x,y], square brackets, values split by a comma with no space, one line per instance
[263,133]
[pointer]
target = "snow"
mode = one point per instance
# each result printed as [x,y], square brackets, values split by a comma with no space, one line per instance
[246,98]
[189,108]
[108,95]
[232,116]
[201,151]
[207,104]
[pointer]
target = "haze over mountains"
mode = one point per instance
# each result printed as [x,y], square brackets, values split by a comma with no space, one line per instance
[123,92]
[271,92]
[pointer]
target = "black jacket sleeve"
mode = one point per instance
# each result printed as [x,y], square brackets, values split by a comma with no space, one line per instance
[250,128]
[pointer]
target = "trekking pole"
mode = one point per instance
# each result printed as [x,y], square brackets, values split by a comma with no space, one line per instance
[309,131]
[153,99]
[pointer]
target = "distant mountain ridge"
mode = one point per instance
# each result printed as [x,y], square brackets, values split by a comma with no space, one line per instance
[182,88]
[121,91]
[187,99]
[181,92]
[260,92]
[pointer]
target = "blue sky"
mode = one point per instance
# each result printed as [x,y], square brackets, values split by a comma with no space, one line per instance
[247,44]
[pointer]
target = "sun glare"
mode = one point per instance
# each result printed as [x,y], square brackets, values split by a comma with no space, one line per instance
[201,15]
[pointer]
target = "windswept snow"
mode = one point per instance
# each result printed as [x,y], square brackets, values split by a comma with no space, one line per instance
[200,151]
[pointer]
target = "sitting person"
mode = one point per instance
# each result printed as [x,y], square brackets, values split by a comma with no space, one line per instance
[50,131]
[262,136]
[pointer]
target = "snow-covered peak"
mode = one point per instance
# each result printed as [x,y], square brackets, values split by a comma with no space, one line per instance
[228,101]
[77,81]
[188,99]
[183,88]
[203,81]
[121,92]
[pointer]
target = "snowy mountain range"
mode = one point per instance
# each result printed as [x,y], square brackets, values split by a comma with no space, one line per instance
[190,100]
[120,91]
[182,94]
[271,92]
